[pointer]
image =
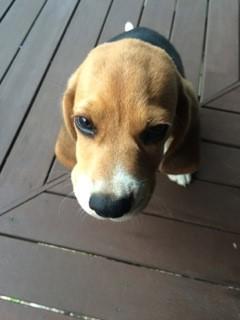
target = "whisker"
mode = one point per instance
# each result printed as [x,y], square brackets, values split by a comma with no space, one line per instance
[137,220]
[81,213]
[66,197]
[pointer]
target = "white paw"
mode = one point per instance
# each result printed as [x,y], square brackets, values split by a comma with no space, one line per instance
[128,26]
[181,179]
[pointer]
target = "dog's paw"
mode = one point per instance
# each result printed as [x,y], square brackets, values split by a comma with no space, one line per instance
[180,179]
[128,26]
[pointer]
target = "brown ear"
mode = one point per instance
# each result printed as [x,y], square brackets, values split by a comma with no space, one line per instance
[182,155]
[66,141]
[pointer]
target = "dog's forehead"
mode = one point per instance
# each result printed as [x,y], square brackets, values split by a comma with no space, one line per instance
[128,72]
[126,60]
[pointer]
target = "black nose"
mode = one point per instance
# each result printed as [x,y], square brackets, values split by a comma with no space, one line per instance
[105,206]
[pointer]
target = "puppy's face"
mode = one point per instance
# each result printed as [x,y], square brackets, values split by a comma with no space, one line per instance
[124,104]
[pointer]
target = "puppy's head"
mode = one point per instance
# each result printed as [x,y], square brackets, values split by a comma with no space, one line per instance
[120,107]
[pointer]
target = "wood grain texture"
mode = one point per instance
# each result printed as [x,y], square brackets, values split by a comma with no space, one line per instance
[62,188]
[33,150]
[168,245]
[106,289]
[200,203]
[12,311]
[221,66]
[189,24]
[228,101]
[121,12]
[57,171]
[22,80]
[221,127]
[180,258]
[23,14]
[220,164]
[158,15]
[4,5]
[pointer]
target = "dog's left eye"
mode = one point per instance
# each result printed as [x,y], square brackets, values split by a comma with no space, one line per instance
[154,134]
[85,125]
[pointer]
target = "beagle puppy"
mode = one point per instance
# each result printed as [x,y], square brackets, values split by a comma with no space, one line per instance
[128,110]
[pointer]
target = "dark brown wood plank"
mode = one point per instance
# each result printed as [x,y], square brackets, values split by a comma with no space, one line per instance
[14,28]
[221,127]
[196,204]
[221,66]
[22,80]
[158,15]
[201,202]
[188,35]
[220,164]
[4,5]
[28,163]
[107,289]
[57,171]
[169,245]
[228,101]
[120,13]
[13,311]
[62,188]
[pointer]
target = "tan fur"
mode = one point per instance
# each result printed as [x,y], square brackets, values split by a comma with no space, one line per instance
[122,87]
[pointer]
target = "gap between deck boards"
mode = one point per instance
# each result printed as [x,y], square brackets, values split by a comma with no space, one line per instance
[122,261]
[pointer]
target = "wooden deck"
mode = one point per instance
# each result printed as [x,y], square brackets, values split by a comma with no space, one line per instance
[181,258]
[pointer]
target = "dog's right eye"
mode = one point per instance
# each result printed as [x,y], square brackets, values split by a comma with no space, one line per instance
[154,134]
[85,125]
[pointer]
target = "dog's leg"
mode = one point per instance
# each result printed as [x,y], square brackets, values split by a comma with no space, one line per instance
[128,26]
[180,179]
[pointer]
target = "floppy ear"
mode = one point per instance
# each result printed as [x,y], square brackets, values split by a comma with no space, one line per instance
[66,141]
[182,155]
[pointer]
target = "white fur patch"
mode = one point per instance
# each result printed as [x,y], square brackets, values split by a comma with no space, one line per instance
[128,26]
[83,190]
[123,183]
[167,144]
[180,179]
[119,185]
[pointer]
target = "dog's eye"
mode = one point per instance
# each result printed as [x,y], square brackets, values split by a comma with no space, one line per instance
[154,134]
[85,125]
